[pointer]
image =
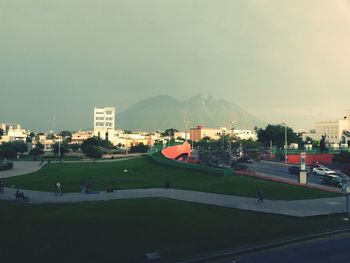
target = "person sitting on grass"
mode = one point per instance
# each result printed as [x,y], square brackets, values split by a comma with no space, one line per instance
[20,195]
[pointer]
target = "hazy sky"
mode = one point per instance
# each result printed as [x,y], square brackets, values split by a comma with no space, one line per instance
[284,61]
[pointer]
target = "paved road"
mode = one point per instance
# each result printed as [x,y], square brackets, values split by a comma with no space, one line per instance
[298,208]
[280,170]
[334,249]
[21,167]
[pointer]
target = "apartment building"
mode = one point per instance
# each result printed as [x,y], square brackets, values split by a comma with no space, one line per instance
[336,131]
[104,122]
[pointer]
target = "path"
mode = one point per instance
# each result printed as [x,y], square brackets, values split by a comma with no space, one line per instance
[20,168]
[299,208]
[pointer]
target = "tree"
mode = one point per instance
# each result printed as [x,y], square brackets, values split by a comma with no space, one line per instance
[94,151]
[342,157]
[169,132]
[39,146]
[36,152]
[95,147]
[66,135]
[127,132]
[140,148]
[276,134]
[61,148]
[96,141]
[75,147]
[19,146]
[323,143]
[7,150]
[2,133]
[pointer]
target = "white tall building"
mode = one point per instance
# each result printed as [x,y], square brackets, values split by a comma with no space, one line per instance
[104,123]
[336,131]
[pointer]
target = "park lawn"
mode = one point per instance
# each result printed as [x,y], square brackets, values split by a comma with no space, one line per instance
[124,230]
[143,172]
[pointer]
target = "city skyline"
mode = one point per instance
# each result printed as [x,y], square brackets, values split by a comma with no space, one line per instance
[281,61]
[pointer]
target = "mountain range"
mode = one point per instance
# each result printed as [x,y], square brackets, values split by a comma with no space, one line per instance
[162,112]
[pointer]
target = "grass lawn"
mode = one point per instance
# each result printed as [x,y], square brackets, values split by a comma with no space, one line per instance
[124,230]
[143,172]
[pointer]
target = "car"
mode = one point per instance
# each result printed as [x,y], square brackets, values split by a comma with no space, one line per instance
[311,170]
[294,169]
[333,180]
[322,171]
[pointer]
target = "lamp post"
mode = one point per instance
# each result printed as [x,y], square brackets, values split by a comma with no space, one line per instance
[285,144]
[231,122]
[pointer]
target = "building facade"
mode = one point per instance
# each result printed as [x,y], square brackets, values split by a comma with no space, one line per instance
[13,132]
[335,131]
[104,122]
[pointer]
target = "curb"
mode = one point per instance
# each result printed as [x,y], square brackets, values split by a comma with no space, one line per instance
[258,248]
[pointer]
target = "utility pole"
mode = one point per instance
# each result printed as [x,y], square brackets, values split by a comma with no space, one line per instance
[186,123]
[285,144]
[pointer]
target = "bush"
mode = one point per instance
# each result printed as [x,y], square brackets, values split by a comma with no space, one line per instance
[5,166]
[342,157]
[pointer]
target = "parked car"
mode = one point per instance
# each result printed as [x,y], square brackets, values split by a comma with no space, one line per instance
[322,171]
[333,180]
[294,169]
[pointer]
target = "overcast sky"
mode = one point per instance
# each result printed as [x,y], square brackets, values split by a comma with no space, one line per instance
[283,61]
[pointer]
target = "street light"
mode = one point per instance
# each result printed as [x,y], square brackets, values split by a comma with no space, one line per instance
[285,143]
[231,122]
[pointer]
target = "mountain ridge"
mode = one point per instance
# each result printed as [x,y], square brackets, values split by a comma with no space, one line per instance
[163,111]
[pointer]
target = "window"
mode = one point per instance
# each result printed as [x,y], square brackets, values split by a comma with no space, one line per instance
[109,112]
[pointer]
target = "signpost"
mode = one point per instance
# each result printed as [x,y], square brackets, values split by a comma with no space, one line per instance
[303,172]
[346,191]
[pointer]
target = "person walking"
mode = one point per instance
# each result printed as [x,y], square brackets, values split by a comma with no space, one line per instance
[2,185]
[260,197]
[58,188]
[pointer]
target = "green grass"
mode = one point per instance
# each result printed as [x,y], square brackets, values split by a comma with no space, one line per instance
[143,172]
[124,230]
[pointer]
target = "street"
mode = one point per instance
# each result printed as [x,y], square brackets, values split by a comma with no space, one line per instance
[280,170]
[333,249]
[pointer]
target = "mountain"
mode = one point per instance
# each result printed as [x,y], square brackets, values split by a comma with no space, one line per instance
[162,112]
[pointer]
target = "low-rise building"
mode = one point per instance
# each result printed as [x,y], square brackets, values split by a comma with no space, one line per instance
[80,136]
[335,131]
[13,132]
[198,133]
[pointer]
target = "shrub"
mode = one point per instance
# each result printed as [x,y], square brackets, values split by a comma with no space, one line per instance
[5,166]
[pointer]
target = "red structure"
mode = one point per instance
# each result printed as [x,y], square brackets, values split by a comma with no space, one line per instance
[324,158]
[177,151]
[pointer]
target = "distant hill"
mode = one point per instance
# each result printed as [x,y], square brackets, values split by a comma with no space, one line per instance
[161,112]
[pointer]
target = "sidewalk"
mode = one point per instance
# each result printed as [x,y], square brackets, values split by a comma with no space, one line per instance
[299,208]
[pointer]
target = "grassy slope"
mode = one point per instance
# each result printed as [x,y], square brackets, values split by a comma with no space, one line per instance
[145,173]
[122,231]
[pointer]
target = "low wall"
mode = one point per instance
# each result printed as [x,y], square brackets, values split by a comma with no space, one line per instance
[324,158]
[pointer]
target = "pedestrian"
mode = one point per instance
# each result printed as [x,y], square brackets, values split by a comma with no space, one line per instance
[259,194]
[2,185]
[58,188]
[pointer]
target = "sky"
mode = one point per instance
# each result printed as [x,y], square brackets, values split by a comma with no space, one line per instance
[281,60]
